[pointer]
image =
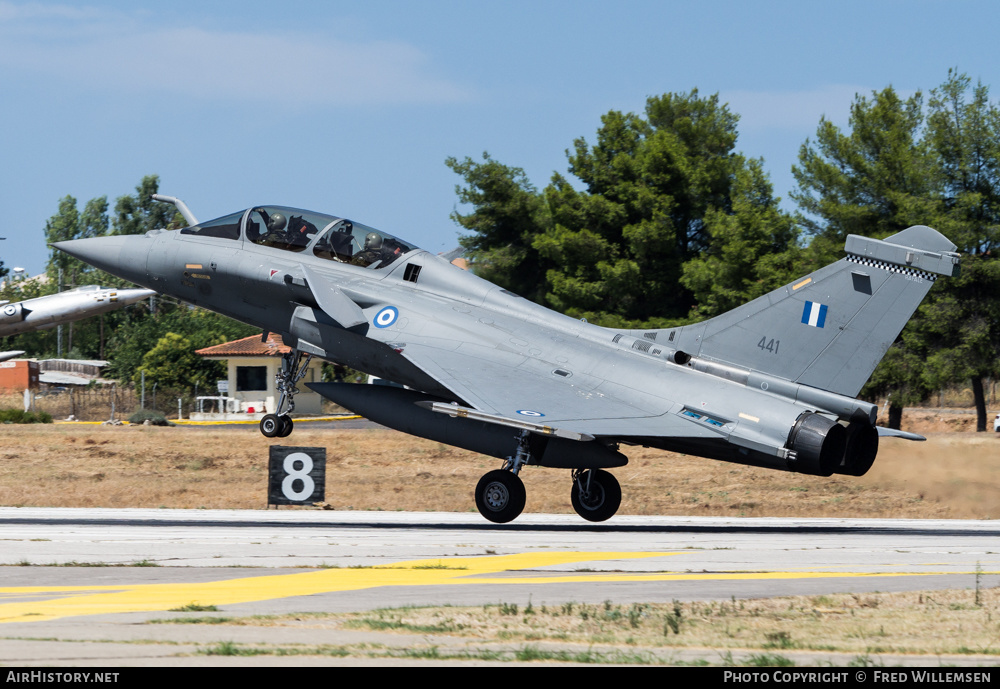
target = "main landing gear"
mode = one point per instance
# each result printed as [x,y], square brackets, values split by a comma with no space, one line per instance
[596,494]
[500,496]
[293,368]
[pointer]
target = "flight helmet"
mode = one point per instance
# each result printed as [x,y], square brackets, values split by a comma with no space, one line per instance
[276,222]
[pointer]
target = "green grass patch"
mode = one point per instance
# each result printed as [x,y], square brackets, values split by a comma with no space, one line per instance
[195,620]
[195,607]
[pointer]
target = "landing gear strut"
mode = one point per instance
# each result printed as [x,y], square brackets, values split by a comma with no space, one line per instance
[500,494]
[293,368]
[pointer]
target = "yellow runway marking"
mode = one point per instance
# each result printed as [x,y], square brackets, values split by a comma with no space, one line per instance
[54,602]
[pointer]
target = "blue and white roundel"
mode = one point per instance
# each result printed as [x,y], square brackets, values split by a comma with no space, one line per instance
[386,317]
[529,412]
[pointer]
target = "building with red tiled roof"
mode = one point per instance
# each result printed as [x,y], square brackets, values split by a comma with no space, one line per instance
[252,364]
[248,346]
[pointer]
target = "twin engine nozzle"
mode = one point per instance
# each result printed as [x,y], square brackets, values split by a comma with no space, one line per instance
[823,447]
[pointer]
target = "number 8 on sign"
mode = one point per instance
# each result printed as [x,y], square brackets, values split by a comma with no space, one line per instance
[302,474]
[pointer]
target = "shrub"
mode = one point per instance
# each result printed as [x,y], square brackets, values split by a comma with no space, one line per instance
[21,416]
[155,418]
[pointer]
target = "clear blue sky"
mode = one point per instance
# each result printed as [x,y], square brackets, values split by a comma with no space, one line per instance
[351,108]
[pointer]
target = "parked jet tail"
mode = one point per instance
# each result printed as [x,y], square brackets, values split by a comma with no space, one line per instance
[829,329]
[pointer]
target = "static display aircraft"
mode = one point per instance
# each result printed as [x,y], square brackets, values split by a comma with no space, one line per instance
[771,383]
[42,313]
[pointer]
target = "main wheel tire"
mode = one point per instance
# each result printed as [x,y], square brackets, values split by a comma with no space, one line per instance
[603,499]
[500,496]
[271,425]
[286,426]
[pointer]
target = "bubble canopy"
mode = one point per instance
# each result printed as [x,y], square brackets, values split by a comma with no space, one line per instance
[293,229]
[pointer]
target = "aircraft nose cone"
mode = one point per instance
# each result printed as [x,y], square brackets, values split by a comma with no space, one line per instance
[131,296]
[100,252]
[122,256]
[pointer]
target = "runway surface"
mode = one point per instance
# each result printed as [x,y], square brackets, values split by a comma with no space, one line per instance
[257,562]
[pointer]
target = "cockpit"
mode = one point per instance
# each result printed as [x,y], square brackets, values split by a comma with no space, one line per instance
[296,230]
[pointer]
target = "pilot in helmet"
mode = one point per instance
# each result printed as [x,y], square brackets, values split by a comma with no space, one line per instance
[276,222]
[371,252]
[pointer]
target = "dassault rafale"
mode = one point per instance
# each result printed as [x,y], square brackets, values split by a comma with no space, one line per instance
[771,383]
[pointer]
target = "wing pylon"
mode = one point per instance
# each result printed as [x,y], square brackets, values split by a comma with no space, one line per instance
[457,411]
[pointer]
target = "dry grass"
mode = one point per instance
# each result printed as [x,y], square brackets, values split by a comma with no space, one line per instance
[937,623]
[952,475]
[885,623]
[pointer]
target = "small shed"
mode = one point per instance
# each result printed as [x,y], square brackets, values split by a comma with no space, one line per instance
[252,365]
[18,375]
[63,373]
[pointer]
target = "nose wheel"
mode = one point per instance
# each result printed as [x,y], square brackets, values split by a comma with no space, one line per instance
[274,426]
[596,494]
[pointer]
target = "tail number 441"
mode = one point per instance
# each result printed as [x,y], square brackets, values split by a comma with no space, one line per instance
[769,345]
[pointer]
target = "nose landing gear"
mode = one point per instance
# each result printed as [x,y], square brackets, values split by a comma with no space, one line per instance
[293,368]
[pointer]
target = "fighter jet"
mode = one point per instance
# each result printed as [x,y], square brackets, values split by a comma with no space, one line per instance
[771,383]
[42,313]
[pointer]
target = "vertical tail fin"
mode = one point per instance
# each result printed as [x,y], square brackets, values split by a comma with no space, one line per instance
[829,329]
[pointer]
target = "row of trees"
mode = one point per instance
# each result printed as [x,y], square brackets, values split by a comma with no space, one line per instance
[669,223]
[939,165]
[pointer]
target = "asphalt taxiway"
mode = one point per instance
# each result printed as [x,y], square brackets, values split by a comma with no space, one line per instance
[556,557]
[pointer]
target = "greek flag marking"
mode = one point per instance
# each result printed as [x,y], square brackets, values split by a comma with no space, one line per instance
[814,314]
